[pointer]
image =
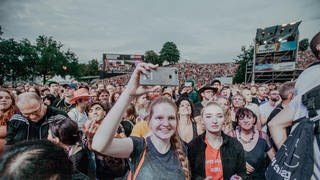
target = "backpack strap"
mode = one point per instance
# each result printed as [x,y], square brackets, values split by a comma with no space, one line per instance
[139,165]
[311,100]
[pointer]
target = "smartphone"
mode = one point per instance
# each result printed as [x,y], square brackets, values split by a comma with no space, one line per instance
[164,76]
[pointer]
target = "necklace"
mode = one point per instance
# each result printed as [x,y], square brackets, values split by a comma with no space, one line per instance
[246,141]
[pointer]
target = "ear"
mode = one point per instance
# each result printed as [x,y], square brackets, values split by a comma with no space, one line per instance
[55,140]
[290,96]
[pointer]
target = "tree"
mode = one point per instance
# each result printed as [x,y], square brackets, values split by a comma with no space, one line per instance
[52,60]
[152,57]
[92,68]
[303,44]
[9,59]
[1,31]
[170,53]
[29,58]
[245,57]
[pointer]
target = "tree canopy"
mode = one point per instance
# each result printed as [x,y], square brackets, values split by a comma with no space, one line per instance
[22,60]
[152,57]
[303,44]
[246,56]
[170,53]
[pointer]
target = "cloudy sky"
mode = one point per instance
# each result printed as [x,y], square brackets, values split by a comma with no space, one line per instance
[205,31]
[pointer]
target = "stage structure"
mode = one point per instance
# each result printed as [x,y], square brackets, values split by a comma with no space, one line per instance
[118,64]
[275,54]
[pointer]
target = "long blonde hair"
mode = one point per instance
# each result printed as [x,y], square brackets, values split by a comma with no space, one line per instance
[175,140]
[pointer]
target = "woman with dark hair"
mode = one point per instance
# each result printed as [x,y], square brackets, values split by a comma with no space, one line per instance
[129,119]
[7,109]
[256,143]
[39,159]
[65,133]
[48,99]
[106,167]
[187,128]
[114,97]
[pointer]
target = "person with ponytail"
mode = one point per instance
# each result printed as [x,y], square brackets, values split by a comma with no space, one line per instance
[214,155]
[158,156]
[65,133]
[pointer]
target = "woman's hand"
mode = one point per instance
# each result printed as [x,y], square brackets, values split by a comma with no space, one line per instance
[134,88]
[236,177]
[90,129]
[249,168]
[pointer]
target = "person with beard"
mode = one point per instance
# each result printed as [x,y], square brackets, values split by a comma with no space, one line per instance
[261,95]
[267,107]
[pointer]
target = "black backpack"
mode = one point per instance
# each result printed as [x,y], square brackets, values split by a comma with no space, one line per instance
[294,160]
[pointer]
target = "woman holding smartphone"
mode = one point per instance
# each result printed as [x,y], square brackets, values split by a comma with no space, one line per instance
[159,156]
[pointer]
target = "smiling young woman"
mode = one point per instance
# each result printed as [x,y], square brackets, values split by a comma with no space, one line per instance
[163,151]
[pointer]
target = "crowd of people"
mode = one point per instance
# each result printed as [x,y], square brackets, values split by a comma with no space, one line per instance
[304,59]
[117,129]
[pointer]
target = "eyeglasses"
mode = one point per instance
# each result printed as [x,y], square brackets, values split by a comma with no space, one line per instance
[36,112]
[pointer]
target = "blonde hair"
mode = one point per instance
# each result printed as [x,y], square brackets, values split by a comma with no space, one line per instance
[175,139]
[211,103]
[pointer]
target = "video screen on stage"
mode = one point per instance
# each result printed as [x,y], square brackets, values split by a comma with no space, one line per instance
[120,63]
[276,47]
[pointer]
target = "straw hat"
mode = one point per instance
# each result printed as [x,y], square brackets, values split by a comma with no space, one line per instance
[81,93]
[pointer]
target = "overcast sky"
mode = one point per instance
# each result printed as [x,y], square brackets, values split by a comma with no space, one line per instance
[205,31]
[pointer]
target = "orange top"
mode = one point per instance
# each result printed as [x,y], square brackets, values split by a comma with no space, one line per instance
[141,129]
[213,164]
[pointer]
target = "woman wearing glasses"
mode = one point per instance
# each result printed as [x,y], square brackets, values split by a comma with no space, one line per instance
[256,143]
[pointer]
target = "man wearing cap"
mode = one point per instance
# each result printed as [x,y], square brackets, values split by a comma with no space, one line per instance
[78,113]
[64,103]
[32,122]
[207,94]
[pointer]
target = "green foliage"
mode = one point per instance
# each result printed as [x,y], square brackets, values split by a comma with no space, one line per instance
[152,57]
[170,53]
[92,68]
[1,31]
[9,59]
[303,44]
[23,60]
[245,56]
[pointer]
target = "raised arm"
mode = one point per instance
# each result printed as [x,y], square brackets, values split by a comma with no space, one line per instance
[278,124]
[104,141]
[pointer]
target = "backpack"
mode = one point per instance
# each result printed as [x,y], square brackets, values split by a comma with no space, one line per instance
[294,160]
